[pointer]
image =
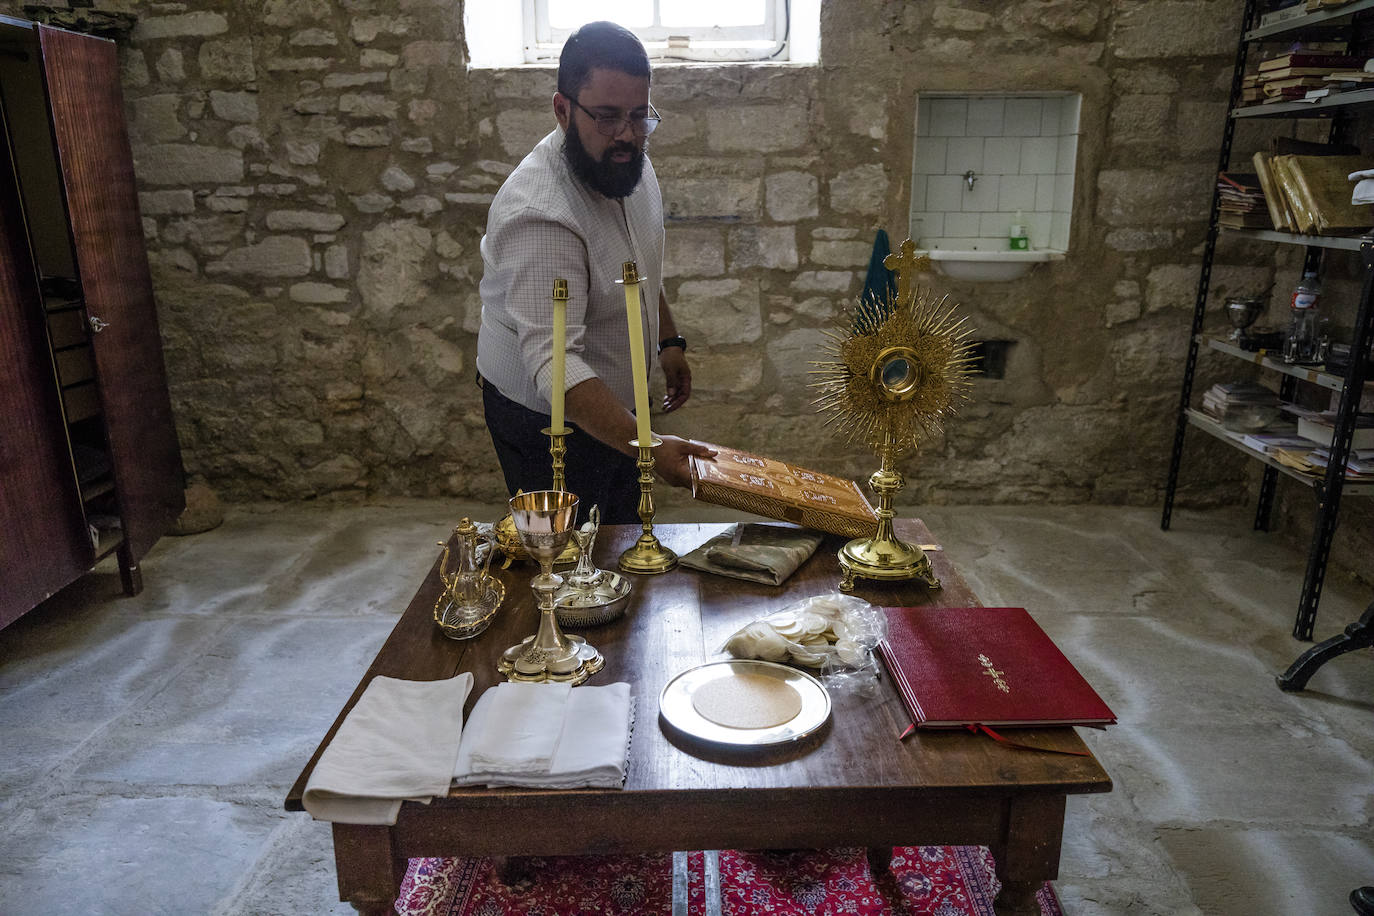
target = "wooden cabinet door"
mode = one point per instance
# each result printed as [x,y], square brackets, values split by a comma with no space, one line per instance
[87,108]
[43,540]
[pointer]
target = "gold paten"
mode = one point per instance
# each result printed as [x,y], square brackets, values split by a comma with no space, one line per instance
[647,555]
[544,521]
[900,366]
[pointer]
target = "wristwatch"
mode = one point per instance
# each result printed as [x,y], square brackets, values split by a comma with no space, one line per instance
[667,342]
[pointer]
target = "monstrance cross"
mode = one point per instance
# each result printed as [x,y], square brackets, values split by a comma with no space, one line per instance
[905,266]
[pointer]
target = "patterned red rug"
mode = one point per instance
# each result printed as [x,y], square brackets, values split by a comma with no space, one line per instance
[934,880]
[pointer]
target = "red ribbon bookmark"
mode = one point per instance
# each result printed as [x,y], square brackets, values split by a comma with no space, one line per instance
[977,728]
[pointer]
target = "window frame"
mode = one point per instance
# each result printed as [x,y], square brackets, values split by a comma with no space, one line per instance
[543,43]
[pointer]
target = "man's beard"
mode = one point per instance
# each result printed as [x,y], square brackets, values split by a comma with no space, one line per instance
[613,179]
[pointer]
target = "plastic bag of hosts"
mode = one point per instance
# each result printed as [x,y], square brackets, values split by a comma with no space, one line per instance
[832,635]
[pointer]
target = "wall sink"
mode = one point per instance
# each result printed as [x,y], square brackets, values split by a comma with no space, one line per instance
[988,265]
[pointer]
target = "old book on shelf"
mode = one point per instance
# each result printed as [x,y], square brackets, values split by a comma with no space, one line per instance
[960,666]
[1320,429]
[776,489]
[1311,60]
[1323,184]
[1279,213]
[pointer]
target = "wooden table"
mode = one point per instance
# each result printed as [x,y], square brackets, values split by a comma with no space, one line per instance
[851,784]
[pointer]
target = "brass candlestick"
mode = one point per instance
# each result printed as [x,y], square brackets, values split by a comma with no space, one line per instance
[557,450]
[544,520]
[647,555]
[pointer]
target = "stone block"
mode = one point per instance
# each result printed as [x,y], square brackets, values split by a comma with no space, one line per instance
[313,38]
[396,179]
[185,164]
[156,119]
[366,29]
[230,60]
[171,66]
[712,198]
[862,190]
[1169,195]
[770,247]
[336,262]
[792,355]
[184,25]
[791,196]
[368,136]
[1174,28]
[695,251]
[824,281]
[162,203]
[960,19]
[302,152]
[318,293]
[732,372]
[352,80]
[841,254]
[375,58]
[235,106]
[391,265]
[1144,119]
[308,220]
[1139,239]
[719,312]
[757,128]
[275,256]
[368,105]
[520,130]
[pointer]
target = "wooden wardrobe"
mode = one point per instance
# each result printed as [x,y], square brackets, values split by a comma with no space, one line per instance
[89,459]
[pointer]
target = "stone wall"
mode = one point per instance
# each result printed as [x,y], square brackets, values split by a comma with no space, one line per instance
[315,178]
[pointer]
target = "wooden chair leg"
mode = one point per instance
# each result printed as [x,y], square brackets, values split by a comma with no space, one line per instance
[130,576]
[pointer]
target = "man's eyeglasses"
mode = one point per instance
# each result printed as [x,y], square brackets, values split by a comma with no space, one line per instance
[607,125]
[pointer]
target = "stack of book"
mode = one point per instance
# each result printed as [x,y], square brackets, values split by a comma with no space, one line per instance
[1320,428]
[1359,464]
[1241,202]
[1243,406]
[1311,194]
[1290,76]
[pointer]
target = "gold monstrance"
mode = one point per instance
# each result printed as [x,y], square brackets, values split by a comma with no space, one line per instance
[900,366]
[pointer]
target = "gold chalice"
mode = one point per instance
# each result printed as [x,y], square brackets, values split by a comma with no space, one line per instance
[544,521]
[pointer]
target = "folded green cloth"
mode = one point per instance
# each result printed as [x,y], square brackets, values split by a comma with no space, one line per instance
[759,553]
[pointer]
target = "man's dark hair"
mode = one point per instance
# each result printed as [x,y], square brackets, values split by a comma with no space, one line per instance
[599,44]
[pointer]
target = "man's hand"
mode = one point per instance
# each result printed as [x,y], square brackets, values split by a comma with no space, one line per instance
[670,459]
[678,377]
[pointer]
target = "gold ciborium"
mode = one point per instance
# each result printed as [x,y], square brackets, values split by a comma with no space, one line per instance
[544,521]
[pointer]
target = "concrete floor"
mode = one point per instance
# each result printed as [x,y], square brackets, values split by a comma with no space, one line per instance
[146,743]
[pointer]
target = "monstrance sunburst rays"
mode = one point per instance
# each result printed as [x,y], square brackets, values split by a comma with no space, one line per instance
[898,368]
[855,403]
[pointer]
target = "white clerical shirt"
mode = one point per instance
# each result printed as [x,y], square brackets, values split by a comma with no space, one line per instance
[544,224]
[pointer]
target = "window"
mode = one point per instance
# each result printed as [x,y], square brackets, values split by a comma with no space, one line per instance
[695,30]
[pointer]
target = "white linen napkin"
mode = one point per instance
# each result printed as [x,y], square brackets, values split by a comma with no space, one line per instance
[593,748]
[531,717]
[398,743]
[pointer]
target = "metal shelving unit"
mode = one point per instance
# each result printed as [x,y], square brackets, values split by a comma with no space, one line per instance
[1332,485]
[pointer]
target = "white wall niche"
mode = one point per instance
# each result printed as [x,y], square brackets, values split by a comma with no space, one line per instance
[1021,148]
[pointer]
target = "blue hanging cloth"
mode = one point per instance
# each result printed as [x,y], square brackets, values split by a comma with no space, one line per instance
[880,287]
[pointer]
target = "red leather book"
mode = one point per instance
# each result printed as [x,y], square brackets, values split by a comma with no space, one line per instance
[959,666]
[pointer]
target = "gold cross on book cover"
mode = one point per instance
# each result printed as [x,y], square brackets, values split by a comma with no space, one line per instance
[776,489]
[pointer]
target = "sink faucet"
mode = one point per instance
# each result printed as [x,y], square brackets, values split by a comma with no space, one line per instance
[970,178]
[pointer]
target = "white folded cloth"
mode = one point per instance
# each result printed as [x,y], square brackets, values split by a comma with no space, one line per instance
[592,750]
[399,743]
[531,717]
[1362,173]
[1364,192]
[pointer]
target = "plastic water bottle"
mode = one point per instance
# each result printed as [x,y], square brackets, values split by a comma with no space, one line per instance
[1304,331]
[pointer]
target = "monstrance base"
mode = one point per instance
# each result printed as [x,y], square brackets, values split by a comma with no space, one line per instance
[886,560]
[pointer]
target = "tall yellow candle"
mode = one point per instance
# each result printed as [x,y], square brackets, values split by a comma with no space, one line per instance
[637,366]
[560,352]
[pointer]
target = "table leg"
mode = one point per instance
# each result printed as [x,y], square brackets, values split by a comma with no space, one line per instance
[1027,855]
[369,870]
[879,860]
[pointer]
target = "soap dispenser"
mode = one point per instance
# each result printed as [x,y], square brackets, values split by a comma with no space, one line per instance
[1017,238]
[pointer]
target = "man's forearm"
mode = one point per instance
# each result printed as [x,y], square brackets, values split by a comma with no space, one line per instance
[594,407]
[666,326]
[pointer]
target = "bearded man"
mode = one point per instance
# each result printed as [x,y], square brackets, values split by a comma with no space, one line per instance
[584,201]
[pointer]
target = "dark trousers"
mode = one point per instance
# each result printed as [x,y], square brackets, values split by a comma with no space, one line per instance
[598,474]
